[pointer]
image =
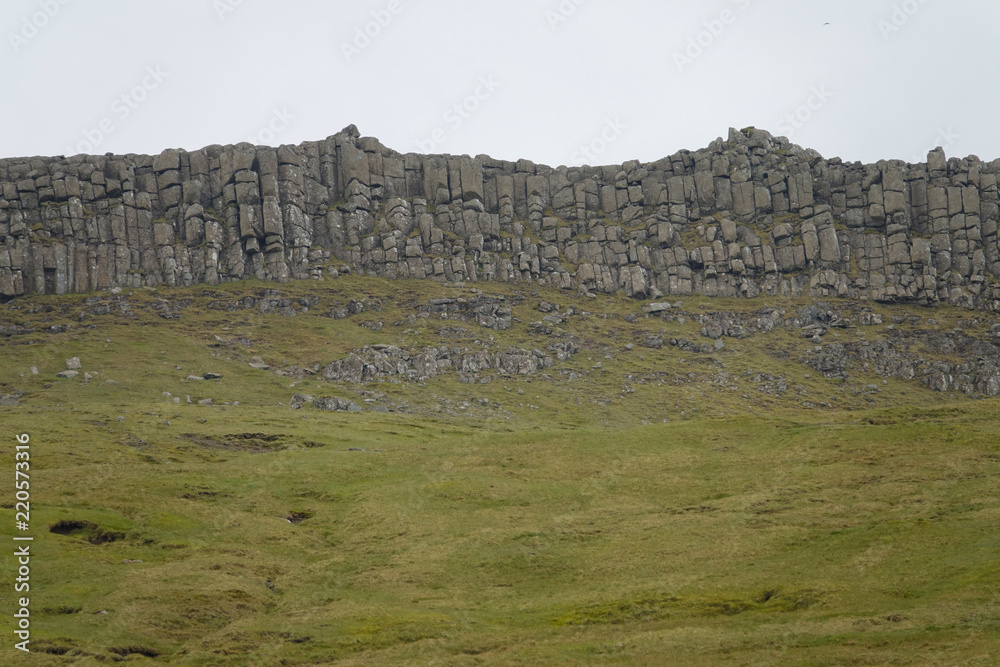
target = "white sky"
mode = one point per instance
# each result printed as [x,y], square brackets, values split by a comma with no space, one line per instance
[885,79]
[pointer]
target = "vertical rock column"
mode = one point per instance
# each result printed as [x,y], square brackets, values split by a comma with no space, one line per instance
[245,193]
[166,172]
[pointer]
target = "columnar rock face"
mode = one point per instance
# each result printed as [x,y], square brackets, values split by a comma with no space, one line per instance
[749,215]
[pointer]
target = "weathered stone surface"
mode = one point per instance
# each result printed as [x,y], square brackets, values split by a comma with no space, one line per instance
[655,307]
[388,360]
[745,217]
[168,159]
[936,161]
[300,399]
[472,180]
[895,202]
[335,403]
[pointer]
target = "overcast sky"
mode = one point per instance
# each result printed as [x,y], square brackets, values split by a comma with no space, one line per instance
[555,81]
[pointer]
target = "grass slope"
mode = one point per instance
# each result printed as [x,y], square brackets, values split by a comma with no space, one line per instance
[530,520]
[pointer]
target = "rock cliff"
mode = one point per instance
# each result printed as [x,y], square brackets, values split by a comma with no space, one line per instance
[748,215]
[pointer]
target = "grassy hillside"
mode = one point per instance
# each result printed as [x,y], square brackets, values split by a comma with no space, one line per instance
[632,504]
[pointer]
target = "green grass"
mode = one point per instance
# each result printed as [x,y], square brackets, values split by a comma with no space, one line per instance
[479,525]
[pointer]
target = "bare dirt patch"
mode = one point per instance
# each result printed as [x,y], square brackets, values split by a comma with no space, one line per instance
[254,443]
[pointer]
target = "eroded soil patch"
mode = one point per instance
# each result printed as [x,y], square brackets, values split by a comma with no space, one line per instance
[255,443]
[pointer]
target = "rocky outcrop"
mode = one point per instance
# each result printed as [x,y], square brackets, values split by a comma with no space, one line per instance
[912,348]
[491,312]
[978,373]
[333,404]
[748,215]
[11,400]
[383,361]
